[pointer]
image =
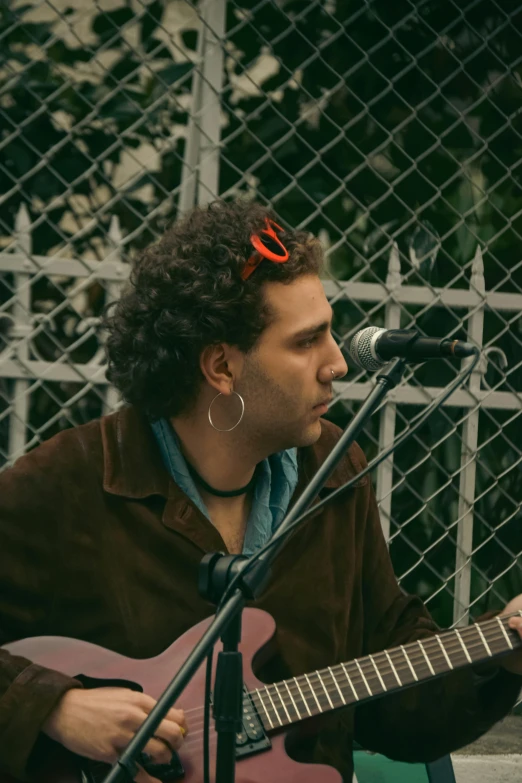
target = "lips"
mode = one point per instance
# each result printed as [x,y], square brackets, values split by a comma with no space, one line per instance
[323,402]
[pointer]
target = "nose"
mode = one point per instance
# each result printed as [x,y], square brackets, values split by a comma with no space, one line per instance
[337,363]
[340,366]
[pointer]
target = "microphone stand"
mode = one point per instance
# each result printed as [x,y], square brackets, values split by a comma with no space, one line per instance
[227,622]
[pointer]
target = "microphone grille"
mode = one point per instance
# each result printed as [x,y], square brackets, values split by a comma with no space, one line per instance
[362,351]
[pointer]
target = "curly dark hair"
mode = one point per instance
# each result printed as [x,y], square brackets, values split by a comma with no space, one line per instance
[186,293]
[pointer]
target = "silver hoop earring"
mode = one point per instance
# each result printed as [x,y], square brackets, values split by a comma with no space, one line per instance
[235,425]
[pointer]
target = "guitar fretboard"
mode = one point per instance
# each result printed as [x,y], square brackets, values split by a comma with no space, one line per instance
[296,699]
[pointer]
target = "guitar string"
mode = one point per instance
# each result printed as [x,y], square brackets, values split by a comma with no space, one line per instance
[195,733]
[195,737]
[282,707]
[414,660]
[356,679]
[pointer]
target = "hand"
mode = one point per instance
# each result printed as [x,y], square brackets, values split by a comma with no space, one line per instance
[100,722]
[513,662]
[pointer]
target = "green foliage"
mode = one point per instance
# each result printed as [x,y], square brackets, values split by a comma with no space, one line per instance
[83,120]
[383,123]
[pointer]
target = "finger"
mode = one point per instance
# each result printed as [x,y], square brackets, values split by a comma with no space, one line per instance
[171,733]
[144,777]
[516,624]
[175,714]
[159,750]
[145,701]
[178,716]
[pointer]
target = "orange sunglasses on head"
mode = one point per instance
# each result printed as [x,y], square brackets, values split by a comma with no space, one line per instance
[267,245]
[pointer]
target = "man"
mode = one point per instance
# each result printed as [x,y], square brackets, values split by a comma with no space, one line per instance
[222,348]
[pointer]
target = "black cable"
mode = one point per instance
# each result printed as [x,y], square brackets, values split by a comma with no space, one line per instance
[206,719]
[414,425]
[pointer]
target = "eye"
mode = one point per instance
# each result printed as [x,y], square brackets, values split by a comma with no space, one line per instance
[310,341]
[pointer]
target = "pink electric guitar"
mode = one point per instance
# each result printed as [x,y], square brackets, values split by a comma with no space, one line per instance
[269,710]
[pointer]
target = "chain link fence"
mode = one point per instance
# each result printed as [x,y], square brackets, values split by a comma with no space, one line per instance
[392,131]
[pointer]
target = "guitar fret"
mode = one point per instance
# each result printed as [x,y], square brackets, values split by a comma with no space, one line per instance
[459,653]
[378,673]
[324,688]
[265,709]
[508,640]
[292,699]
[336,685]
[427,659]
[408,662]
[313,693]
[362,675]
[349,681]
[302,696]
[486,645]
[386,668]
[461,640]
[444,652]
[274,707]
[282,702]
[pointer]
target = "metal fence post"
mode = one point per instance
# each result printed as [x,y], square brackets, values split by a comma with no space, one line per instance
[189,171]
[202,149]
[112,293]
[277,127]
[214,14]
[384,478]
[21,331]
[468,459]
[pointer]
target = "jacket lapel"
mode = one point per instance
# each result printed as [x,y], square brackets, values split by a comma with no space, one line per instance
[133,468]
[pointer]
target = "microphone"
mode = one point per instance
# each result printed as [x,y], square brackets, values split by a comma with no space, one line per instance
[373,347]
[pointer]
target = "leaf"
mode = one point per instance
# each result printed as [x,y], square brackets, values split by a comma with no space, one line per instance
[146,179]
[172,73]
[61,53]
[127,68]
[123,106]
[430,484]
[28,33]
[107,24]
[151,19]
[379,233]
[467,241]
[423,246]
[160,49]
[272,129]
[190,39]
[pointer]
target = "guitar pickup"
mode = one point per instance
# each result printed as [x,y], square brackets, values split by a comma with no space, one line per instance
[252,738]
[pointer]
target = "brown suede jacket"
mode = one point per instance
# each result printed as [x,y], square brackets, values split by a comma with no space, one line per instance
[98,543]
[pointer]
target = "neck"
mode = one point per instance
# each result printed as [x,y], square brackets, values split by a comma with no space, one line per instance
[348,683]
[226,461]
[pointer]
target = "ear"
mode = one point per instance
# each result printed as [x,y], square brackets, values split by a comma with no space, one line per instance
[221,366]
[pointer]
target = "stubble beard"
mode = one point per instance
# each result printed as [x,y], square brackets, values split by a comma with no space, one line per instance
[262,420]
[270,422]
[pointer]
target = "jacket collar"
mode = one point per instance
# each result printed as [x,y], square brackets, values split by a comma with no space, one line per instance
[133,465]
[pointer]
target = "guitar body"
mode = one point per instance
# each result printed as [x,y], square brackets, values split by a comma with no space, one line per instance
[76,658]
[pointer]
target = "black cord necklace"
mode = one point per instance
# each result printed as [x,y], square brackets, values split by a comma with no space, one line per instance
[219,493]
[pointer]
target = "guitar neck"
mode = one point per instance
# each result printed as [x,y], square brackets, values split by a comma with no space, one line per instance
[296,699]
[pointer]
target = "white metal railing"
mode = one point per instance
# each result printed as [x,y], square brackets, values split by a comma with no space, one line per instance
[472,397]
[221,119]
[17,364]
